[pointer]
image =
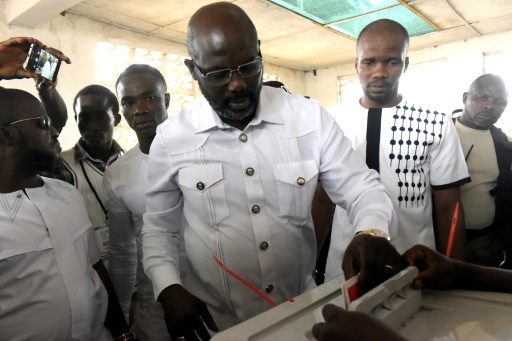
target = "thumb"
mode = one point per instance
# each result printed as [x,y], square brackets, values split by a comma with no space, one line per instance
[207,317]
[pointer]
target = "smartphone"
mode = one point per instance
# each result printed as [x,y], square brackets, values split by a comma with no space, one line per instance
[42,62]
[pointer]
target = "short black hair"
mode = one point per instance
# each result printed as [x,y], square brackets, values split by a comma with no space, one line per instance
[136,69]
[384,26]
[100,90]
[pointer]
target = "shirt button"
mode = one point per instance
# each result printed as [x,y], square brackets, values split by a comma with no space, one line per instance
[249,171]
[255,209]
[243,138]
[200,186]
[301,181]
[19,195]
[269,288]
[264,246]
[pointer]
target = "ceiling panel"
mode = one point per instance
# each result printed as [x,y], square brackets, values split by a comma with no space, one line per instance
[291,40]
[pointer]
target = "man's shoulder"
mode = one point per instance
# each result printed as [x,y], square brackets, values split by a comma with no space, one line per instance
[132,158]
[61,187]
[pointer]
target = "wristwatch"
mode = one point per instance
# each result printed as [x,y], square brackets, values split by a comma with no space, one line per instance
[372,232]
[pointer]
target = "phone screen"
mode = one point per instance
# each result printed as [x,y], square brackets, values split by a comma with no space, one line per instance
[42,63]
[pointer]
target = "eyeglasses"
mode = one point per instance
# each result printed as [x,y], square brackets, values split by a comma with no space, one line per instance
[221,77]
[44,121]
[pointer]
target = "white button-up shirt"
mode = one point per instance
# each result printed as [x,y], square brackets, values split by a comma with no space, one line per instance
[199,181]
[125,184]
[48,287]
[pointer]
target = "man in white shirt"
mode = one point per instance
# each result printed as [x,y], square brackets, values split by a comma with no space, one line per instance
[487,198]
[414,148]
[50,270]
[144,101]
[236,172]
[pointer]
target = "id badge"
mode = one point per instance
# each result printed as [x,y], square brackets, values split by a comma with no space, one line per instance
[101,234]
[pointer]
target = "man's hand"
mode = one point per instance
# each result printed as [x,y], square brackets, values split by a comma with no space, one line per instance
[436,270]
[374,258]
[343,325]
[184,314]
[13,53]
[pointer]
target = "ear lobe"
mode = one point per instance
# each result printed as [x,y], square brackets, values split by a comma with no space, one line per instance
[167,100]
[464,97]
[6,137]
[117,119]
[406,63]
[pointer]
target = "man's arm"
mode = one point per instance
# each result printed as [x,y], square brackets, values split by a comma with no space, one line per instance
[114,320]
[322,212]
[445,201]
[356,188]
[122,245]
[439,272]
[183,312]
[53,103]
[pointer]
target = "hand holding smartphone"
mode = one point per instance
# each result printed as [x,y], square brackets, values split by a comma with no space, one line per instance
[13,57]
[42,62]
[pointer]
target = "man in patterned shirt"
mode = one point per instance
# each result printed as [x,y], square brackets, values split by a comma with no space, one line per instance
[414,148]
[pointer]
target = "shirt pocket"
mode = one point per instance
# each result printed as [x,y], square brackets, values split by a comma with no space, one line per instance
[205,184]
[296,184]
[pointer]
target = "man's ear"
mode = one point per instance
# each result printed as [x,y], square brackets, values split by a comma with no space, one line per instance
[117,119]
[464,97]
[6,137]
[355,65]
[167,100]
[406,63]
[191,68]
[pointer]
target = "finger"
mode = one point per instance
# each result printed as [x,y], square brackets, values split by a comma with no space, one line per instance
[330,312]
[59,54]
[319,331]
[190,335]
[16,41]
[207,317]
[22,73]
[200,329]
[349,264]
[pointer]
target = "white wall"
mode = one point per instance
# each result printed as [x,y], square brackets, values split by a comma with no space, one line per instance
[464,62]
[78,37]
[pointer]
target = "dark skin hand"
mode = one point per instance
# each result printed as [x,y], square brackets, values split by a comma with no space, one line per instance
[13,53]
[368,256]
[322,211]
[114,321]
[184,314]
[347,325]
[53,103]
[439,272]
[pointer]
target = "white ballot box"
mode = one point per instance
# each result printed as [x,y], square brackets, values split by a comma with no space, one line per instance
[418,315]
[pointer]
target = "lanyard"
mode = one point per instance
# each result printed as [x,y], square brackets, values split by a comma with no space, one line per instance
[93,190]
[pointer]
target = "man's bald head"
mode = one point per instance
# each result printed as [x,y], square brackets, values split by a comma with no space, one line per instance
[384,27]
[215,26]
[488,80]
[17,104]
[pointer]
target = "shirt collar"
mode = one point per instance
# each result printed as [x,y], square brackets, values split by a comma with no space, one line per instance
[81,154]
[268,110]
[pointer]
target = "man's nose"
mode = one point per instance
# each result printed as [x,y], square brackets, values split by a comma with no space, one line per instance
[380,71]
[54,133]
[237,83]
[140,107]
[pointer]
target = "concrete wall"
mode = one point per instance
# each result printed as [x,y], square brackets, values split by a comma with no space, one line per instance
[462,63]
[78,37]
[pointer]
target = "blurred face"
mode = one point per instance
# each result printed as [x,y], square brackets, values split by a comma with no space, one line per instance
[144,102]
[96,120]
[484,104]
[380,63]
[238,99]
